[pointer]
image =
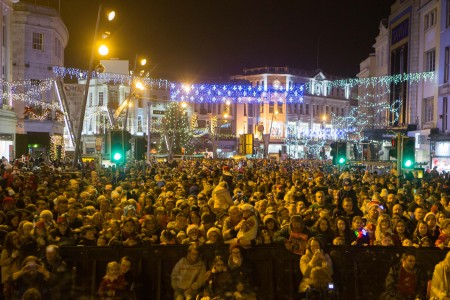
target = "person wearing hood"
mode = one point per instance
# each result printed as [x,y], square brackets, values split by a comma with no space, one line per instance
[295,236]
[221,197]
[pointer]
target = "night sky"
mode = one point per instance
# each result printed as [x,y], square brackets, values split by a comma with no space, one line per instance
[208,40]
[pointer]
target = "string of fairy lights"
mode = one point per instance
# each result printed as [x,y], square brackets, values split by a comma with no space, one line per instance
[370,103]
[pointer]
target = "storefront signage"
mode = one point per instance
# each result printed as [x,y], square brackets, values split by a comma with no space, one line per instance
[442,149]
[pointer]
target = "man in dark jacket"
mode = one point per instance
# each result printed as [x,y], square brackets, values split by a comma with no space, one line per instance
[405,280]
[295,236]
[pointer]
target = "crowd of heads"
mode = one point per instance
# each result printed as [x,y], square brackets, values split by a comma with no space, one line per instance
[213,202]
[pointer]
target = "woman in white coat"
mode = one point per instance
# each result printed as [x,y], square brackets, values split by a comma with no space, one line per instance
[314,257]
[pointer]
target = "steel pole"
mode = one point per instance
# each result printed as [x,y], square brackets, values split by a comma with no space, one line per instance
[77,154]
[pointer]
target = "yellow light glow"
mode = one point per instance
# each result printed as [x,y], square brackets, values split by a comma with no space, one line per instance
[276,112]
[143,62]
[225,116]
[228,102]
[186,88]
[111,15]
[139,85]
[103,50]
[183,105]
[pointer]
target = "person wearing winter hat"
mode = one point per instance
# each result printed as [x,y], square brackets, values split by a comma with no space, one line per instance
[214,236]
[193,236]
[347,191]
[233,219]
[433,229]
[129,211]
[62,235]
[247,228]
[373,212]
[271,226]
[295,236]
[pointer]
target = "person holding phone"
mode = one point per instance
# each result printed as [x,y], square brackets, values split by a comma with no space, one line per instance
[314,258]
[33,274]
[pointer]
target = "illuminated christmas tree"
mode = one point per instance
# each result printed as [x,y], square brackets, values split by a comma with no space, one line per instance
[176,132]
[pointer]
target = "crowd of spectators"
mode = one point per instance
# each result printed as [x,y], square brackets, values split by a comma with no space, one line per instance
[302,205]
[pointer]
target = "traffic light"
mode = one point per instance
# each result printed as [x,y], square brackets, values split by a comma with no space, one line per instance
[341,153]
[117,149]
[140,149]
[126,141]
[393,150]
[333,152]
[409,153]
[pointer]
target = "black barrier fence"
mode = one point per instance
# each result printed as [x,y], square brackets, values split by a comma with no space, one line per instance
[359,272]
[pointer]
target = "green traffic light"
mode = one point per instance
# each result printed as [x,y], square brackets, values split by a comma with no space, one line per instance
[117,156]
[408,163]
[341,160]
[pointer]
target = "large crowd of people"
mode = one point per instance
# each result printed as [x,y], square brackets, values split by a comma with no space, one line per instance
[305,206]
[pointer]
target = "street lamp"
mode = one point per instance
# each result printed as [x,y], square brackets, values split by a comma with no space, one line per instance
[77,154]
[267,136]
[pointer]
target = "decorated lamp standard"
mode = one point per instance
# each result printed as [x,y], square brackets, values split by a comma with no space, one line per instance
[266,137]
[103,50]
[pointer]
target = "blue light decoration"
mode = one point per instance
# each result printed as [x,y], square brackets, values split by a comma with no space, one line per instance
[151,83]
[217,93]
[238,93]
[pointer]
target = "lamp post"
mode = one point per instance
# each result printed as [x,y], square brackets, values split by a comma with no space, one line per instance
[267,136]
[77,154]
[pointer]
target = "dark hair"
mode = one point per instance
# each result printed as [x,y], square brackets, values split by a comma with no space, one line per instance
[406,254]
[32,294]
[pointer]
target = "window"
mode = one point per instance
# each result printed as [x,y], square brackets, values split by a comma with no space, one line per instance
[57,48]
[290,108]
[245,110]
[280,107]
[251,112]
[430,19]
[444,113]
[113,101]
[38,41]
[447,15]
[430,59]
[139,129]
[261,108]
[271,108]
[428,109]
[306,109]
[446,64]
[202,109]
[100,99]
[90,100]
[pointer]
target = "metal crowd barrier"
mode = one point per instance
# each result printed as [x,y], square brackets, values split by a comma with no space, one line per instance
[359,272]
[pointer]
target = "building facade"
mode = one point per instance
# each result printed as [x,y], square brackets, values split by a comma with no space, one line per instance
[39,37]
[7,114]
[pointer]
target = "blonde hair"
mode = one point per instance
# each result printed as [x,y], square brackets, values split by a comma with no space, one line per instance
[320,278]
